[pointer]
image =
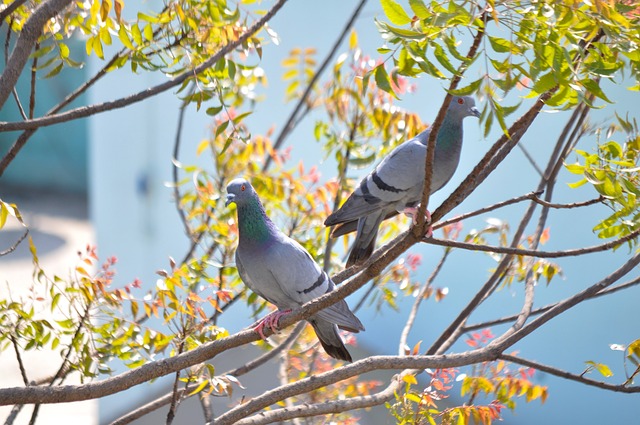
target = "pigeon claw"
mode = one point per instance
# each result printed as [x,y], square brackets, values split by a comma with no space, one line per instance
[412,211]
[270,321]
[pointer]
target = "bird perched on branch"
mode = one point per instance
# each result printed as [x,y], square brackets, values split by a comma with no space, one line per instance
[281,271]
[397,183]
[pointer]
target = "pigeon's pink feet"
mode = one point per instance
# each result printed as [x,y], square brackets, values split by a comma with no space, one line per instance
[270,321]
[412,211]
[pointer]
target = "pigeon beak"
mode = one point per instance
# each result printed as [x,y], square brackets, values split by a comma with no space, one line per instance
[474,112]
[230,199]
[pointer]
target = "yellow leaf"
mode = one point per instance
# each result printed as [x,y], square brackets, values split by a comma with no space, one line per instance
[410,379]
[353,40]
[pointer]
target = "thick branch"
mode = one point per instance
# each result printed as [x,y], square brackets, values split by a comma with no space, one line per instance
[28,38]
[327,407]
[354,369]
[86,111]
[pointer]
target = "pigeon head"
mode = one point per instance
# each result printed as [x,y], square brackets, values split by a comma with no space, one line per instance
[239,191]
[463,106]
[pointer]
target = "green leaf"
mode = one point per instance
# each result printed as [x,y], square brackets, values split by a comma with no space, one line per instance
[382,80]
[500,45]
[401,32]
[55,71]
[441,56]
[470,89]
[577,184]
[124,37]
[41,52]
[136,34]
[418,7]
[544,84]
[575,168]
[595,89]
[64,50]
[395,12]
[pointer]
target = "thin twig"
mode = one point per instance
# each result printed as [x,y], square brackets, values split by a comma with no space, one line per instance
[34,68]
[15,245]
[620,388]
[507,319]
[289,125]
[176,395]
[16,349]
[416,304]
[532,252]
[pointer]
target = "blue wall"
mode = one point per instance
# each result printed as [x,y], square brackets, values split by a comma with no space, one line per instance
[55,157]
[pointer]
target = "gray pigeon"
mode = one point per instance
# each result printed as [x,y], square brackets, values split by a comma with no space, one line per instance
[281,271]
[397,182]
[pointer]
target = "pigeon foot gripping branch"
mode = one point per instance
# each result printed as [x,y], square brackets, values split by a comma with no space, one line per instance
[281,271]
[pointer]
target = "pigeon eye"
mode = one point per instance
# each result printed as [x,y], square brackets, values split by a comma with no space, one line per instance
[460,101]
[243,187]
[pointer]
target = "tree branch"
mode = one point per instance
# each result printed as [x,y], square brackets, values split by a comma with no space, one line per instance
[532,252]
[419,228]
[507,319]
[86,111]
[416,304]
[500,344]
[166,399]
[327,407]
[347,371]
[620,388]
[28,38]
[288,126]
[15,245]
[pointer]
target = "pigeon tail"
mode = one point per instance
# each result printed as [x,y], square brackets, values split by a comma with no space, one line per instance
[359,254]
[365,239]
[328,335]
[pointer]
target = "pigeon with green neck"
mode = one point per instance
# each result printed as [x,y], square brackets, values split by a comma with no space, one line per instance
[280,270]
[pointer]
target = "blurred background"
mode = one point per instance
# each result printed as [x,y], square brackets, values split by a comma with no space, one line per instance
[103,181]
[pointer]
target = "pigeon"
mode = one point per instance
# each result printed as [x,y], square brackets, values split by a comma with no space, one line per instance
[397,183]
[282,272]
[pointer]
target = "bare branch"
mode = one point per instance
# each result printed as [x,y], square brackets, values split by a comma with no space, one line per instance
[416,304]
[357,368]
[419,227]
[327,407]
[15,245]
[532,252]
[541,310]
[288,126]
[620,388]
[544,203]
[16,349]
[562,306]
